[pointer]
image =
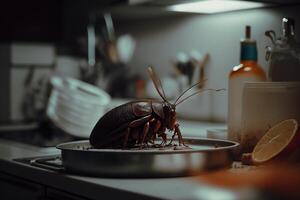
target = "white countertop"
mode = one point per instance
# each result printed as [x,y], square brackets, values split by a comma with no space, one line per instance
[198,129]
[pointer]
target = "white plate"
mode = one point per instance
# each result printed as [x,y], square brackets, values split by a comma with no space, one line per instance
[69,128]
[81,91]
[77,117]
[84,121]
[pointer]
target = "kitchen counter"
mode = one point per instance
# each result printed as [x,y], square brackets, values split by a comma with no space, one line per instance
[95,188]
[90,187]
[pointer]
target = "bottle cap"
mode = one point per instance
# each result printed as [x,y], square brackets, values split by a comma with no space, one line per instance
[248,46]
[248,32]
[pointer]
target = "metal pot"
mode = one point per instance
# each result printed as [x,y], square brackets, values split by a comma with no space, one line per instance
[79,157]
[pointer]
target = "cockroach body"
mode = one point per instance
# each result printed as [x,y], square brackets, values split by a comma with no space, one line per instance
[133,123]
[138,123]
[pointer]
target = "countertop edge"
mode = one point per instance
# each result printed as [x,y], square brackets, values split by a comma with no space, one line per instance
[66,183]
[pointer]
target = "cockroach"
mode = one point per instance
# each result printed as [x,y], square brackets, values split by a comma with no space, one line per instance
[138,123]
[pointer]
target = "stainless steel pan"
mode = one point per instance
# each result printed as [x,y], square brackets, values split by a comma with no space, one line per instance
[78,157]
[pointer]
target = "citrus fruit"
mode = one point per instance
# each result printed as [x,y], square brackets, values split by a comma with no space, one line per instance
[282,139]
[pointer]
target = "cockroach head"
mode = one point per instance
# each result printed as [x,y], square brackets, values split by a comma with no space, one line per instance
[169,106]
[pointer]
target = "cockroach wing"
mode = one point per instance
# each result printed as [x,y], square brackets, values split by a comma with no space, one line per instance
[157,107]
[116,121]
[141,108]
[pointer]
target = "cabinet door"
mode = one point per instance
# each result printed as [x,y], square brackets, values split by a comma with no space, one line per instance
[53,194]
[13,188]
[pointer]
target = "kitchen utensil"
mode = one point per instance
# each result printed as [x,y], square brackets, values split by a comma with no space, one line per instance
[283,56]
[199,61]
[202,64]
[185,66]
[110,48]
[272,35]
[79,157]
[91,45]
[125,47]
[89,71]
[188,66]
[109,27]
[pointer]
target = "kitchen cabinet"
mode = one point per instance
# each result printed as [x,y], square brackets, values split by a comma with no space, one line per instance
[45,21]
[14,188]
[18,189]
[31,20]
[53,194]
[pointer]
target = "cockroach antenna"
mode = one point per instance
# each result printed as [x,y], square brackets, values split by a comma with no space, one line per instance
[198,83]
[157,83]
[197,92]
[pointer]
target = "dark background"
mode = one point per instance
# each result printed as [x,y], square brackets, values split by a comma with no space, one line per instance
[58,21]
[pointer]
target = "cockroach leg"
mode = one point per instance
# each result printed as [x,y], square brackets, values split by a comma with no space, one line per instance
[164,138]
[144,134]
[139,122]
[178,132]
[152,131]
[157,126]
[155,129]
[173,136]
[126,138]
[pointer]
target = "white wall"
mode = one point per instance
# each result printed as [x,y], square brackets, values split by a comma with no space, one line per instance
[158,40]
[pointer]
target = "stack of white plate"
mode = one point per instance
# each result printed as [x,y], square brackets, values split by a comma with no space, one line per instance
[75,106]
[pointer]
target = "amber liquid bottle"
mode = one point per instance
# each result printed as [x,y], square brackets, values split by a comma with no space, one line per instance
[247,71]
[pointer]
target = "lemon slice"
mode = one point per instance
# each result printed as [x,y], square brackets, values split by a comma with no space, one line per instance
[278,140]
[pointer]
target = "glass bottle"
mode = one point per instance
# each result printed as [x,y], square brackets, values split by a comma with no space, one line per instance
[285,55]
[247,71]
